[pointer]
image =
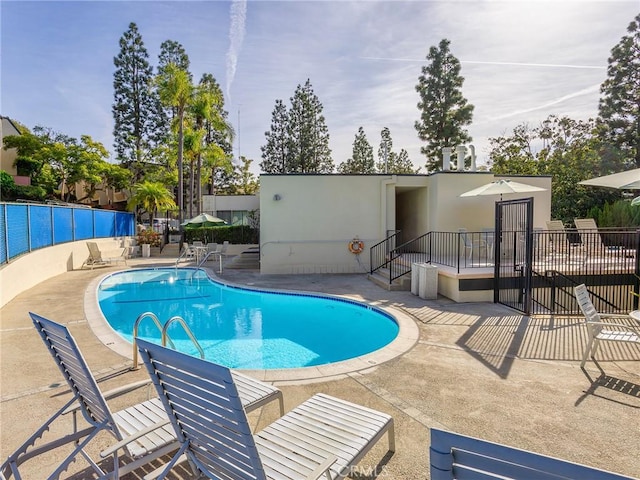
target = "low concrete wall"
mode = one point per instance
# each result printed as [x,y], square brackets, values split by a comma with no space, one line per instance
[32,268]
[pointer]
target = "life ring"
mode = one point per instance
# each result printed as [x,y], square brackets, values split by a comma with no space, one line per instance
[356,246]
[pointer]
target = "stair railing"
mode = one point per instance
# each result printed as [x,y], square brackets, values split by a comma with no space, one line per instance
[402,257]
[379,253]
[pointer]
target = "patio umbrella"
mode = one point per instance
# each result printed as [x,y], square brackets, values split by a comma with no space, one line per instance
[203,220]
[502,186]
[629,180]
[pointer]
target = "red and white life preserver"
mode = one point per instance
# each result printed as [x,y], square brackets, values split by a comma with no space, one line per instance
[356,246]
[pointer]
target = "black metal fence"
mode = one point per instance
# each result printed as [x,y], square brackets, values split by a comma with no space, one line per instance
[606,260]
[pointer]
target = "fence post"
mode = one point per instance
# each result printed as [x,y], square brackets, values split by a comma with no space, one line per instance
[636,277]
[6,232]
[29,226]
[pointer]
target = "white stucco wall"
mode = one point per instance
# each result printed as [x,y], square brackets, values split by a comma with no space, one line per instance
[448,211]
[213,203]
[306,221]
[308,228]
[45,263]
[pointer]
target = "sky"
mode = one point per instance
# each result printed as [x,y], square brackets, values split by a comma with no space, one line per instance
[522,61]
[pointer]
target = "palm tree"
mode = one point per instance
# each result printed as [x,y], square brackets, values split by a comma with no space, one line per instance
[152,197]
[176,91]
[207,109]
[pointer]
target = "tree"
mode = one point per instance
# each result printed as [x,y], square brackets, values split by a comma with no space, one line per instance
[173,52]
[58,163]
[275,154]
[361,160]
[390,161]
[245,181]
[619,107]
[138,118]
[88,168]
[443,110]
[570,152]
[308,133]
[207,110]
[176,91]
[152,197]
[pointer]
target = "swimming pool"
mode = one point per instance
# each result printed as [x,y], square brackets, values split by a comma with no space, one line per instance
[243,328]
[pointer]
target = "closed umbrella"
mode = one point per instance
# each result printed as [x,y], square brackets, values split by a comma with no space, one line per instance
[203,220]
[629,180]
[500,187]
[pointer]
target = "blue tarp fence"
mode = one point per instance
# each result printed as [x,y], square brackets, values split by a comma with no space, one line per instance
[25,227]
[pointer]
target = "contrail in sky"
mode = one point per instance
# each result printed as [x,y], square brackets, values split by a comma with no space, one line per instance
[238,15]
[584,91]
[513,64]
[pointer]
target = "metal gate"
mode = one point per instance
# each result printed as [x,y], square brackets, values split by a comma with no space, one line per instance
[514,254]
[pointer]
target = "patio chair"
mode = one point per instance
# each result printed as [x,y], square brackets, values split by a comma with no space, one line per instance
[189,251]
[599,330]
[142,431]
[96,258]
[470,241]
[461,457]
[324,436]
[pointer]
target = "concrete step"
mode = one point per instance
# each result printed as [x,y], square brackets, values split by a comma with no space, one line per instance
[381,278]
[170,250]
[247,260]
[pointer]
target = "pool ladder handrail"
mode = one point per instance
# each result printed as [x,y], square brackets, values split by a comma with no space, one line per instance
[179,319]
[165,338]
[220,253]
[136,326]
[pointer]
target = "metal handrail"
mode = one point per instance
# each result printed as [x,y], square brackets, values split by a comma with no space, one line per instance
[136,325]
[397,270]
[179,319]
[378,253]
[220,253]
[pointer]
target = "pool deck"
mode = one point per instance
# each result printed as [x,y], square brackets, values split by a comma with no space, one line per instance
[478,369]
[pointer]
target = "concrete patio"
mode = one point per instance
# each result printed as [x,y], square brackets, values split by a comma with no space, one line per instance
[478,369]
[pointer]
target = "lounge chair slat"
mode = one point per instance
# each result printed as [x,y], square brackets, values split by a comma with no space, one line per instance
[144,422]
[321,432]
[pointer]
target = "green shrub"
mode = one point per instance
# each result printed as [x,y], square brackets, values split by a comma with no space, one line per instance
[7,186]
[30,192]
[618,214]
[235,234]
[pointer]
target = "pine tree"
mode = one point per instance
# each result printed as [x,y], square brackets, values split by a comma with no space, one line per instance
[620,101]
[443,110]
[361,160]
[308,134]
[390,161]
[136,109]
[173,52]
[275,154]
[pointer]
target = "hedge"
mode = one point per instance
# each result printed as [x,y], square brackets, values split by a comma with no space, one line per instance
[235,234]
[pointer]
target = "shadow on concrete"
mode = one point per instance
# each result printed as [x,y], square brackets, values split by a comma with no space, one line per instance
[604,381]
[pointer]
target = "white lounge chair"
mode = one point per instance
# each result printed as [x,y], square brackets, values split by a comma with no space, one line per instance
[461,457]
[599,330]
[96,257]
[142,431]
[593,244]
[323,436]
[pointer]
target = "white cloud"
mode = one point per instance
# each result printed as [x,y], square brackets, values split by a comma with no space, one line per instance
[522,60]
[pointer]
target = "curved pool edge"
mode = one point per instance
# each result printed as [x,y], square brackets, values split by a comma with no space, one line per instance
[408,335]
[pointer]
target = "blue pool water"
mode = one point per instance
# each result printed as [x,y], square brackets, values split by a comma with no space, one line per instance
[243,328]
